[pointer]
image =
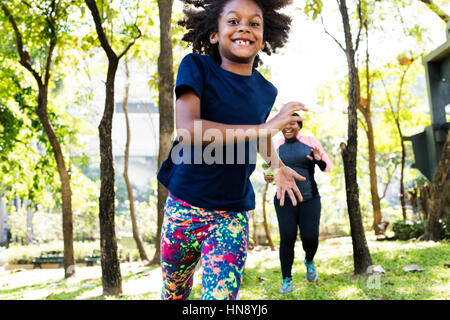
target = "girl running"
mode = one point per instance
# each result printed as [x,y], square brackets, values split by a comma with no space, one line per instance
[301,153]
[222,104]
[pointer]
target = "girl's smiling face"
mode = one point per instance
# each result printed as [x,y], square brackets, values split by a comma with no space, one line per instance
[240,33]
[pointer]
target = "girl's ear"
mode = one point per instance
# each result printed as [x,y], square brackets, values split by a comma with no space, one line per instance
[213,38]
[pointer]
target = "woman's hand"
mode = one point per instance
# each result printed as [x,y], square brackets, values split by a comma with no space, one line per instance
[285,181]
[268,179]
[285,116]
[316,154]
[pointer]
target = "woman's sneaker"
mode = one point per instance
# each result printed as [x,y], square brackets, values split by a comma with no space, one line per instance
[311,271]
[286,285]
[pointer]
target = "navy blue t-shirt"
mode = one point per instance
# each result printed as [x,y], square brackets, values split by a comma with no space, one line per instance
[229,98]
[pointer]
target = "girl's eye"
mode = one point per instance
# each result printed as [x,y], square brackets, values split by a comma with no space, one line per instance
[254,24]
[232,21]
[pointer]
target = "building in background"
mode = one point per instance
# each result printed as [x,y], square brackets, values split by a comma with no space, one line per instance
[144,130]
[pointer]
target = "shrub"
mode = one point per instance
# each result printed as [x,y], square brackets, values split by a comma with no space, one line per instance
[405,230]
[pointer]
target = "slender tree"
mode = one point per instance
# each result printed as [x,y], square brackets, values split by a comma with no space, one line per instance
[365,108]
[266,226]
[361,254]
[394,108]
[53,13]
[166,108]
[111,276]
[136,236]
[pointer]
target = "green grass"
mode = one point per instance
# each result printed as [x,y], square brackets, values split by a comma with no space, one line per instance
[334,260]
[262,278]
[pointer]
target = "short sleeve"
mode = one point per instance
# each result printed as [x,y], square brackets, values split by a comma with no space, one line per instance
[190,76]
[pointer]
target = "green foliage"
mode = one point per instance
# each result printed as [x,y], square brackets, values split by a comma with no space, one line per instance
[313,8]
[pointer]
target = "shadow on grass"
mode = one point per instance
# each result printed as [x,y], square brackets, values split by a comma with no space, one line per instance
[66,289]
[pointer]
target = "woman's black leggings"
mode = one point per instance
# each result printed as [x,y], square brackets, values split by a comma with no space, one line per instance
[305,216]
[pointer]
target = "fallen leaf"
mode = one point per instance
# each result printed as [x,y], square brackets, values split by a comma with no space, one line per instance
[261,279]
[412,267]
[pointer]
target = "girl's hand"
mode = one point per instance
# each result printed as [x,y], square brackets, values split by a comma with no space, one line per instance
[285,116]
[316,154]
[285,181]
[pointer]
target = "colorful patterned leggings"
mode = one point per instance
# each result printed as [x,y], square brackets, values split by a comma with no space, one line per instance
[219,238]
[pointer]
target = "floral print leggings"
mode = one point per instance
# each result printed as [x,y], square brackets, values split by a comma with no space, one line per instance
[219,238]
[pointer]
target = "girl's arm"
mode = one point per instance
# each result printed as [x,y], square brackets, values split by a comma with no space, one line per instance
[193,130]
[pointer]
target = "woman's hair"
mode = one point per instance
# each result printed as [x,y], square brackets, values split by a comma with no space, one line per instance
[300,123]
[202,20]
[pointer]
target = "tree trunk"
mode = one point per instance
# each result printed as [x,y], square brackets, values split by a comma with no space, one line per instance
[266,226]
[30,213]
[361,254]
[111,276]
[376,207]
[135,229]
[66,192]
[367,113]
[3,221]
[43,82]
[166,109]
[402,174]
[424,197]
[437,194]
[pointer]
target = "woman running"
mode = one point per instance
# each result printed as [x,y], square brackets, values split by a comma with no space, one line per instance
[301,153]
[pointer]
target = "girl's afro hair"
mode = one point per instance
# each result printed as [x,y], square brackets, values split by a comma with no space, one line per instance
[202,20]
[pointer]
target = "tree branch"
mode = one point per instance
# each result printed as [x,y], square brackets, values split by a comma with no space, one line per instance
[360,26]
[24,55]
[386,185]
[101,33]
[326,31]
[436,9]
[53,40]
[132,42]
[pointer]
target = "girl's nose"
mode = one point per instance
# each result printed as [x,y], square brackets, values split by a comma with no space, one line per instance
[243,27]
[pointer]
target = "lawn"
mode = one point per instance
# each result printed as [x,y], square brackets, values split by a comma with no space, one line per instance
[262,277]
